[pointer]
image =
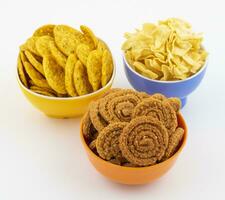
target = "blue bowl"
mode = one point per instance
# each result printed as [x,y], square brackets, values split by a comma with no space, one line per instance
[180,89]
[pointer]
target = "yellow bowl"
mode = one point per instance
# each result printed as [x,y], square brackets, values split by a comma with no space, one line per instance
[63,107]
[134,175]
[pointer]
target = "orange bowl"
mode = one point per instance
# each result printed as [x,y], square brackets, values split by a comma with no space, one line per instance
[134,175]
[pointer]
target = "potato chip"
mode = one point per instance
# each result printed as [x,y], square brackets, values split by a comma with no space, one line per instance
[34,62]
[54,74]
[169,49]
[69,71]
[94,69]
[35,76]
[102,46]
[43,91]
[82,53]
[81,82]
[107,67]
[45,30]
[21,72]
[30,45]
[140,67]
[67,38]
[34,87]
[42,45]
[57,54]
[89,35]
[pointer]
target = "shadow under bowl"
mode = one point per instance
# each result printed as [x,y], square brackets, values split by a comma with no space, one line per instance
[133,175]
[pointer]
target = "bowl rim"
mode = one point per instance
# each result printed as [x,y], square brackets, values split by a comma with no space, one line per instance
[184,141]
[69,98]
[170,82]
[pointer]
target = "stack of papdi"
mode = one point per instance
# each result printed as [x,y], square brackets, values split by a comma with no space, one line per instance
[61,61]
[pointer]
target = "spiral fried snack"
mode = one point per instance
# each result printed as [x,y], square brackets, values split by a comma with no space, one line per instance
[174,142]
[88,129]
[144,141]
[157,109]
[118,105]
[96,118]
[107,142]
[175,103]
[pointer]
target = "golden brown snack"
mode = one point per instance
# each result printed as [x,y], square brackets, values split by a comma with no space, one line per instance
[102,46]
[107,67]
[54,74]
[67,38]
[43,92]
[157,109]
[159,96]
[94,69]
[174,142]
[69,74]
[44,30]
[48,90]
[98,122]
[90,37]
[34,62]
[30,45]
[80,78]
[42,45]
[107,142]
[175,103]
[21,72]
[110,91]
[92,145]
[104,106]
[57,54]
[144,141]
[88,129]
[82,53]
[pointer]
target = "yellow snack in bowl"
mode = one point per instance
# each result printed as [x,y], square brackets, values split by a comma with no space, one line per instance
[83,52]
[44,30]
[169,49]
[107,67]
[42,45]
[54,74]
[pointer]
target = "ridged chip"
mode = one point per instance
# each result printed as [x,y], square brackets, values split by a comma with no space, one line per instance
[67,38]
[94,69]
[44,30]
[82,52]
[30,45]
[81,82]
[102,46]
[54,74]
[42,45]
[107,67]
[37,65]
[57,54]
[90,36]
[69,71]
[21,72]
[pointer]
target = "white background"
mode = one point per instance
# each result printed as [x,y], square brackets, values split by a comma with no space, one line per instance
[42,158]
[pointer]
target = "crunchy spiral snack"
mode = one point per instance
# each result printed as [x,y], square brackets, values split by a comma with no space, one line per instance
[107,142]
[174,141]
[160,110]
[144,141]
[88,129]
[117,105]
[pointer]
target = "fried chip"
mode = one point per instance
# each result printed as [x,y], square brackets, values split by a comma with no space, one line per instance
[102,46]
[54,74]
[42,45]
[35,76]
[90,36]
[107,67]
[82,52]
[67,38]
[43,91]
[33,61]
[169,49]
[21,72]
[81,82]
[94,69]
[57,54]
[34,87]
[30,45]
[69,71]
[44,30]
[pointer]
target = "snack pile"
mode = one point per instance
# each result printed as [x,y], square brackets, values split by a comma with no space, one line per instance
[166,51]
[133,129]
[58,60]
